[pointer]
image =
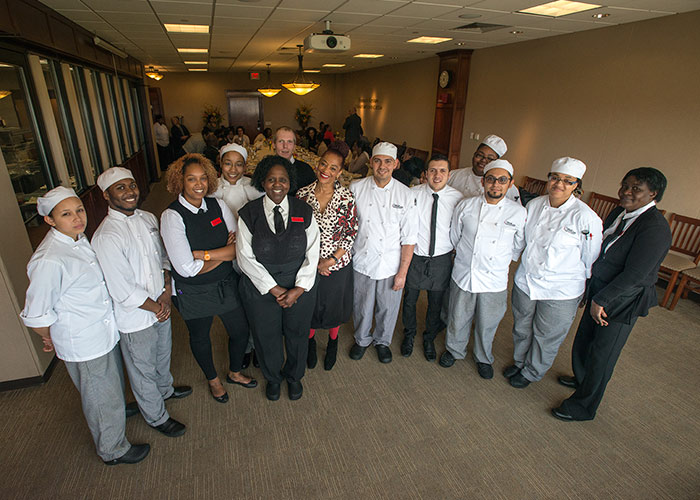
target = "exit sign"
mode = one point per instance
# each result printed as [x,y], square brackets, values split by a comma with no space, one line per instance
[255,76]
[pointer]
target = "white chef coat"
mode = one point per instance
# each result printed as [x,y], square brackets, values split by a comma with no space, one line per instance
[236,195]
[561,246]
[466,181]
[259,276]
[162,134]
[486,238]
[132,257]
[172,229]
[447,201]
[67,293]
[386,221]
[628,218]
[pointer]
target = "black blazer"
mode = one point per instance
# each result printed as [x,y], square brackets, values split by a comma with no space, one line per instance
[624,278]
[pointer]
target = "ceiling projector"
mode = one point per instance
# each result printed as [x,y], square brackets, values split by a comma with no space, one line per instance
[327,41]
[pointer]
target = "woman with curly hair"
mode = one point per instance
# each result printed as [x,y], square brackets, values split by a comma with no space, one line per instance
[199,233]
[278,248]
[336,215]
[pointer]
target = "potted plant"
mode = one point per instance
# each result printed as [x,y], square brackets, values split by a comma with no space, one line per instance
[303,116]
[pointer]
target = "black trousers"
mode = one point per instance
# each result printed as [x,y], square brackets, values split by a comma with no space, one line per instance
[433,323]
[164,156]
[236,326]
[433,275]
[594,354]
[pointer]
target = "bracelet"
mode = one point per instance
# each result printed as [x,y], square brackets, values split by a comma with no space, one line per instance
[207,257]
[335,259]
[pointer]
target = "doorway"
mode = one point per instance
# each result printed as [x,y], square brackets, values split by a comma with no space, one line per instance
[245,109]
[156,99]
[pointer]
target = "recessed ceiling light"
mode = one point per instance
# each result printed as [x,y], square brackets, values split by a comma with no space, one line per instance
[187,28]
[368,56]
[429,39]
[197,69]
[333,65]
[516,32]
[459,44]
[195,62]
[600,15]
[559,8]
[193,51]
[312,71]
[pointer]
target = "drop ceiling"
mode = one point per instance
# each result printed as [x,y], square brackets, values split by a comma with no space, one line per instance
[244,35]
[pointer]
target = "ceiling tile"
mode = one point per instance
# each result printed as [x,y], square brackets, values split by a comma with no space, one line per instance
[348,18]
[119,18]
[368,7]
[65,4]
[181,8]
[327,5]
[423,11]
[120,6]
[242,11]
[311,16]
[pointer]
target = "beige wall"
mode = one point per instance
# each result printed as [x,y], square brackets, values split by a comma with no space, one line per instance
[616,98]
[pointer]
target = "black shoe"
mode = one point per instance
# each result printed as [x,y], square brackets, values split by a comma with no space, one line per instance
[357,351]
[407,347]
[485,370]
[383,353]
[429,350]
[518,381]
[447,359]
[246,360]
[171,428]
[250,385]
[331,354]
[136,453]
[219,399]
[272,391]
[510,371]
[132,409]
[295,390]
[179,392]
[568,381]
[256,363]
[562,415]
[312,356]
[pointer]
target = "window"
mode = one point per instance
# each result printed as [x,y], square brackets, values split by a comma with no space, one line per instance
[89,125]
[118,117]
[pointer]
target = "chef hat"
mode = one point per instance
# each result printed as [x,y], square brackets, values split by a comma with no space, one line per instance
[46,203]
[112,175]
[496,143]
[234,147]
[504,164]
[569,166]
[384,148]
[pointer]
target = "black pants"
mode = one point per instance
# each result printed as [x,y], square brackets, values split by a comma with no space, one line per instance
[164,156]
[236,326]
[595,351]
[433,323]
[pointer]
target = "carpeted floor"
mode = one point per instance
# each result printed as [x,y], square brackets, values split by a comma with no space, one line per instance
[410,429]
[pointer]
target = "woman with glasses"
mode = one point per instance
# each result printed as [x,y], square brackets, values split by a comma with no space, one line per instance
[562,237]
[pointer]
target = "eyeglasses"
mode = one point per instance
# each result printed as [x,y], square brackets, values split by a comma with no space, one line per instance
[480,156]
[555,178]
[501,180]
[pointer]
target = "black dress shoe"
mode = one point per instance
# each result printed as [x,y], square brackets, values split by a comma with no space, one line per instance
[256,363]
[518,381]
[562,415]
[383,353]
[295,390]
[568,381]
[357,351]
[429,350]
[407,347]
[485,370]
[311,355]
[132,409]
[250,385]
[447,359]
[179,392]
[171,428]
[246,360]
[219,399]
[136,453]
[331,354]
[272,391]
[510,371]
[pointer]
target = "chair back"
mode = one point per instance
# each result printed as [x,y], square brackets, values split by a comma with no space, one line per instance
[602,205]
[534,186]
[685,236]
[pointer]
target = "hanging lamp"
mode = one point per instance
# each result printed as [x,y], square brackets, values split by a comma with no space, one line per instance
[268,90]
[4,93]
[154,73]
[300,85]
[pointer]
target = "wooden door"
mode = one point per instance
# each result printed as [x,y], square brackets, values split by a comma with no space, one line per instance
[157,107]
[245,109]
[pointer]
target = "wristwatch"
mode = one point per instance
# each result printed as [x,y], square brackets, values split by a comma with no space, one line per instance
[207,257]
[335,258]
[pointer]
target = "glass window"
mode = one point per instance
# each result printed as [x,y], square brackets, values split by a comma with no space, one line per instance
[87,119]
[104,117]
[140,138]
[129,114]
[118,119]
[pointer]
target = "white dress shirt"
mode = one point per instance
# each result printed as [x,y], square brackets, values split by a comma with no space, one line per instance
[236,195]
[162,134]
[172,229]
[447,201]
[561,246]
[469,184]
[386,222]
[67,293]
[628,218]
[261,278]
[132,257]
[486,238]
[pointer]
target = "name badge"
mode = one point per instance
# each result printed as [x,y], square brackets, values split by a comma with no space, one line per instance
[297,219]
[216,222]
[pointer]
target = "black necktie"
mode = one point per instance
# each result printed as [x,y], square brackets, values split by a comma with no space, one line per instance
[611,237]
[433,225]
[200,211]
[279,221]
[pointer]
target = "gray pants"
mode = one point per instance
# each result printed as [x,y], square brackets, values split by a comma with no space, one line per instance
[539,328]
[147,360]
[100,382]
[486,309]
[374,298]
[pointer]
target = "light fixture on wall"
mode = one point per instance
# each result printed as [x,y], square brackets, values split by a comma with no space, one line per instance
[268,90]
[154,73]
[300,85]
[4,93]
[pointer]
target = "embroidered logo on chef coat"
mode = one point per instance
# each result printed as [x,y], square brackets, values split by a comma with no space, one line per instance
[570,230]
[297,219]
[508,223]
[216,222]
[400,207]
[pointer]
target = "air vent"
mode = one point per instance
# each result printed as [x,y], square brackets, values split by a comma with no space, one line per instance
[480,27]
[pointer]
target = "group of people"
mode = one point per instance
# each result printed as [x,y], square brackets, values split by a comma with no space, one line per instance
[291,251]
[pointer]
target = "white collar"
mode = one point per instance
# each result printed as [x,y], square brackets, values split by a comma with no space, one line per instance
[639,211]
[565,205]
[119,215]
[389,184]
[269,205]
[64,238]
[189,206]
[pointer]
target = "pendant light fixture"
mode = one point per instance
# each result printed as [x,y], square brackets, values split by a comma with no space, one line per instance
[4,93]
[300,85]
[268,90]
[154,73]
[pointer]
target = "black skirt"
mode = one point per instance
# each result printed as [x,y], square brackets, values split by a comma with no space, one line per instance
[333,299]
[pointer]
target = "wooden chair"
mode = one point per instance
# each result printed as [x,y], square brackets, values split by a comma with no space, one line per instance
[690,281]
[602,205]
[685,251]
[534,186]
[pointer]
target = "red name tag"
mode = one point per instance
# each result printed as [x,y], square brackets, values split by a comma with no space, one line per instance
[297,219]
[216,221]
